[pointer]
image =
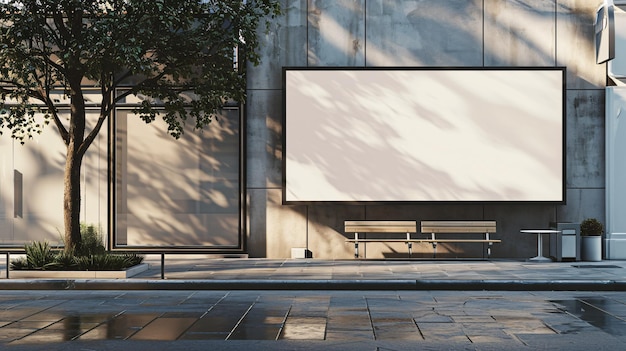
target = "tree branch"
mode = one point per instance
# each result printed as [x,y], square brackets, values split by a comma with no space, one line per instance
[44,96]
[82,149]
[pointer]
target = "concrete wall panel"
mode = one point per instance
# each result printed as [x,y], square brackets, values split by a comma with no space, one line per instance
[284,44]
[264,139]
[274,229]
[336,33]
[424,33]
[325,230]
[585,139]
[575,44]
[519,33]
[582,203]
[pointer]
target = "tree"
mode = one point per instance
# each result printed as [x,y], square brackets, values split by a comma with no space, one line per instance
[176,53]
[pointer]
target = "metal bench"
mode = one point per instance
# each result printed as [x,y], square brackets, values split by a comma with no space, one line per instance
[436,228]
[404,227]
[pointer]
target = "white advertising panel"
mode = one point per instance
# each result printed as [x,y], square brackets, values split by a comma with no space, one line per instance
[423,135]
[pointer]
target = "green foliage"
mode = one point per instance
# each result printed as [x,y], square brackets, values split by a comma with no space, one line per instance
[91,242]
[177,56]
[19,263]
[39,255]
[591,227]
[91,256]
[107,262]
[65,260]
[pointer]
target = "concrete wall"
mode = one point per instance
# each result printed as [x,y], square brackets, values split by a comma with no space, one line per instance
[422,33]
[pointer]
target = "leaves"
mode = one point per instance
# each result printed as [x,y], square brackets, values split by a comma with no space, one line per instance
[178,54]
[39,255]
[166,50]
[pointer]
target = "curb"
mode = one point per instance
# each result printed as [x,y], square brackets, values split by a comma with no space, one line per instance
[292,284]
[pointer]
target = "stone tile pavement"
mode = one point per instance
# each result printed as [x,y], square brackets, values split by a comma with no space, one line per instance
[311,320]
[316,269]
[310,304]
[193,272]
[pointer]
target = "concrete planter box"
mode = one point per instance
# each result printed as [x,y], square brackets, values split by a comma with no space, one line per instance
[36,274]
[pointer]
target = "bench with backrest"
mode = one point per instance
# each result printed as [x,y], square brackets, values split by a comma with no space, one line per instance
[394,227]
[464,232]
[438,231]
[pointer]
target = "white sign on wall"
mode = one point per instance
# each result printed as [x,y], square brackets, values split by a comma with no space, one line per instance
[434,135]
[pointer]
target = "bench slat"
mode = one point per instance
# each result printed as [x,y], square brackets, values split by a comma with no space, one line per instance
[380,226]
[383,240]
[462,241]
[426,240]
[459,227]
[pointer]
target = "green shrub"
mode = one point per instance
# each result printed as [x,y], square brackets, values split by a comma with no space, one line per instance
[91,241]
[132,259]
[591,226]
[107,262]
[19,263]
[39,255]
[65,259]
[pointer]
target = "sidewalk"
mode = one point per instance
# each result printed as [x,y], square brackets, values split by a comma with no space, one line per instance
[311,304]
[184,273]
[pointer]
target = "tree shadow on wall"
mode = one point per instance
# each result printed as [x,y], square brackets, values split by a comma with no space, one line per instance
[178,193]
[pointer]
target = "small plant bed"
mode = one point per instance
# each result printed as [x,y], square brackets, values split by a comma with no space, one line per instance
[91,258]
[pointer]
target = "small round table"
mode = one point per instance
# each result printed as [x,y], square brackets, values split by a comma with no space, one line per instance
[539,232]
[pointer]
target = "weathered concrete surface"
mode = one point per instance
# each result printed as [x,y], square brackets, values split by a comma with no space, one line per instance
[585,139]
[424,33]
[336,33]
[274,229]
[519,33]
[575,44]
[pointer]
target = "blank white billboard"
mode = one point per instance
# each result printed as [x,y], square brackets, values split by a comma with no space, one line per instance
[415,135]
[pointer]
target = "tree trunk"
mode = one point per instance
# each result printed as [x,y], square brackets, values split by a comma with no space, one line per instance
[71,198]
[75,138]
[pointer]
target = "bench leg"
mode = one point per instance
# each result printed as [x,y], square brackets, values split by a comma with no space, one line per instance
[409,244]
[488,246]
[356,245]
[432,237]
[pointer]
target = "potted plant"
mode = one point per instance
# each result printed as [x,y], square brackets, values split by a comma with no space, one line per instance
[591,235]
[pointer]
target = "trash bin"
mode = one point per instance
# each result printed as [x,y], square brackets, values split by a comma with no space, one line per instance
[565,246]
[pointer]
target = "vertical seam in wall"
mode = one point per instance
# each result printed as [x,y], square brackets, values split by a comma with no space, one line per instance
[307,50]
[556,29]
[364,33]
[484,43]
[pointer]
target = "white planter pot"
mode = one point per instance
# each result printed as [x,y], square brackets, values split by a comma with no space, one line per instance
[591,248]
